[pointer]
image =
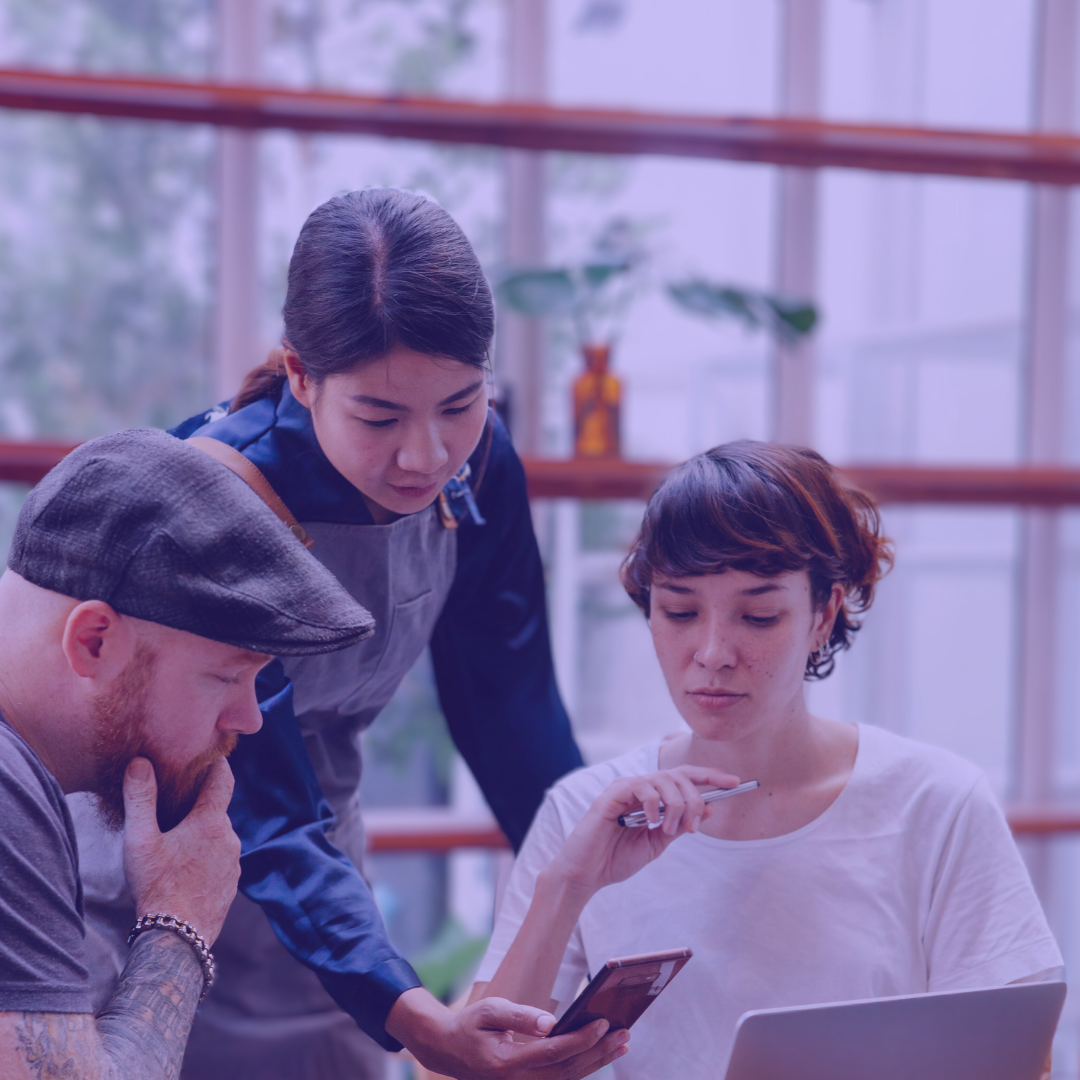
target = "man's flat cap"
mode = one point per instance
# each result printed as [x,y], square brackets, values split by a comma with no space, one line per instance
[160,531]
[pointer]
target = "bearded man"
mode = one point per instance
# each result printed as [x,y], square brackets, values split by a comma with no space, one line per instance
[146,587]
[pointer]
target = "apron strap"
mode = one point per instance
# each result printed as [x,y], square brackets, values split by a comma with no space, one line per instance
[232,459]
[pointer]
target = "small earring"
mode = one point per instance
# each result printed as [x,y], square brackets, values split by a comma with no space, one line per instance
[820,654]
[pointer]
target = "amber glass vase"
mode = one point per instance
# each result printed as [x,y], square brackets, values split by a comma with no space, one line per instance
[597,397]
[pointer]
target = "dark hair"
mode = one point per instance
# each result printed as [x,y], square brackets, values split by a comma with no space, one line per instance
[766,509]
[374,269]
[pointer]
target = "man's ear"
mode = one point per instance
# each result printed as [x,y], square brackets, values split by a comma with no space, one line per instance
[299,381]
[97,641]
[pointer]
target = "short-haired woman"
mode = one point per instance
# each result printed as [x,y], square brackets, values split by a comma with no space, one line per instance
[865,865]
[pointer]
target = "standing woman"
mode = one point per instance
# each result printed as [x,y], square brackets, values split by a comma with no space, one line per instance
[372,425]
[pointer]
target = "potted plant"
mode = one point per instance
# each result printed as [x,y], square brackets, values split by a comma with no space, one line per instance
[595,297]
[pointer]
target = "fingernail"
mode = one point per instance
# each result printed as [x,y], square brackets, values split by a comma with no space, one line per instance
[624,1037]
[139,770]
[695,824]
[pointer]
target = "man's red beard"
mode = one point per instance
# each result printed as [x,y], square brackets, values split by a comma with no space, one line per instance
[121,720]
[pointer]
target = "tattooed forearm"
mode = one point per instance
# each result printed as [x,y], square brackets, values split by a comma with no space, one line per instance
[57,1045]
[140,1033]
[146,1023]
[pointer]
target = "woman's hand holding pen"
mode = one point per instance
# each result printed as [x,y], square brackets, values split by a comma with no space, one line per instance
[601,852]
[598,852]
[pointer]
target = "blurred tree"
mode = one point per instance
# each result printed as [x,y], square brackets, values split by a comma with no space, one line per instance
[380,46]
[104,237]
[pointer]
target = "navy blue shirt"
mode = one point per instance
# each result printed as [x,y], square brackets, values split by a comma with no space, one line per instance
[496,685]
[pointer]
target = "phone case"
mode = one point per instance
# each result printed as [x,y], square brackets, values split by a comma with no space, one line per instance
[622,990]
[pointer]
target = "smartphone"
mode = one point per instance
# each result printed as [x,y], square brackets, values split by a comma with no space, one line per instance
[622,990]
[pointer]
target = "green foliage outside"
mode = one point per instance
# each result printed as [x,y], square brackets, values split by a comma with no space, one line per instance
[410,722]
[783,317]
[449,960]
[595,294]
[104,232]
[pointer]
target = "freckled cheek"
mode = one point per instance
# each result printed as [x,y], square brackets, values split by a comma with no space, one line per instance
[772,668]
[761,667]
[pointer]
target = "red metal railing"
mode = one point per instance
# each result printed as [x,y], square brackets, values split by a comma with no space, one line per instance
[1036,158]
[438,830]
[432,829]
[887,483]
[576,479]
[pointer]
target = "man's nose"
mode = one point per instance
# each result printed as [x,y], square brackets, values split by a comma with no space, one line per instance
[242,717]
[423,450]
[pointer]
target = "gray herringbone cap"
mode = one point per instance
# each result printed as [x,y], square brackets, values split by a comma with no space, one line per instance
[160,531]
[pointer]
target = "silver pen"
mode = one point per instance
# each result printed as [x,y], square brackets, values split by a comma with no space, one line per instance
[638,818]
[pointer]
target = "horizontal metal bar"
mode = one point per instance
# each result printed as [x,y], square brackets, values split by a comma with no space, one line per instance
[431,829]
[1037,158]
[917,484]
[582,479]
[27,463]
[440,830]
[971,486]
[1043,821]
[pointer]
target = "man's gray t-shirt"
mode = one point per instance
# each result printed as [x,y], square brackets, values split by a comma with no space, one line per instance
[42,932]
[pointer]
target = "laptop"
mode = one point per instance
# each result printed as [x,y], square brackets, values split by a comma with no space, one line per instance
[999,1034]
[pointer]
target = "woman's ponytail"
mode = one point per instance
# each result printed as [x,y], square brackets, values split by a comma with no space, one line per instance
[264,381]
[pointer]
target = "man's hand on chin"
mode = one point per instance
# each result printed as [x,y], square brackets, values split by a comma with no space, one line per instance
[478,1042]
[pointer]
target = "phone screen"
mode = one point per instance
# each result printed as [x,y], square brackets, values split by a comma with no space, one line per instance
[622,990]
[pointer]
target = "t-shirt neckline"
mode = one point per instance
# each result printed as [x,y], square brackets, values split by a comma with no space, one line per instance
[862,763]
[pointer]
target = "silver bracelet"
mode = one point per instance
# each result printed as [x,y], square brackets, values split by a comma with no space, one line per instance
[160,921]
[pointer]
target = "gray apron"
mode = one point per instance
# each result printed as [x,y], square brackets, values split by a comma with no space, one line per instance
[268,1016]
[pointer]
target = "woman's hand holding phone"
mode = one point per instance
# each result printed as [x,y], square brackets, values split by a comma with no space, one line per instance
[598,852]
[601,852]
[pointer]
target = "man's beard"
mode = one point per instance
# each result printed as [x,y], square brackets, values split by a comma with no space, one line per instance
[120,716]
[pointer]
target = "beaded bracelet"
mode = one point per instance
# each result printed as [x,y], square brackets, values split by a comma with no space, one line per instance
[161,921]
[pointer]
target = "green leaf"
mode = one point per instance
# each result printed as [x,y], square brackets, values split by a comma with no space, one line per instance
[786,318]
[539,293]
[714,301]
[449,958]
[795,318]
[597,275]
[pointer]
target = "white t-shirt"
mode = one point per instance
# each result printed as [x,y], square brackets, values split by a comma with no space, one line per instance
[909,882]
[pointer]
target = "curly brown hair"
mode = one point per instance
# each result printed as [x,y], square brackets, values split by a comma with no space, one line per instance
[766,509]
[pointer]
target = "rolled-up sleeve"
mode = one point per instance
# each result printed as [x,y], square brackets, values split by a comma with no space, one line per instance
[317,901]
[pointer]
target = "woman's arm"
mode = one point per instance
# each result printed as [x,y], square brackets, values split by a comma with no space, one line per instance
[598,852]
[492,653]
[315,898]
[527,973]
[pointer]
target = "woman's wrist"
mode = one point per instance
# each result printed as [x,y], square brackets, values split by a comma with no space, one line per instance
[558,887]
[417,1020]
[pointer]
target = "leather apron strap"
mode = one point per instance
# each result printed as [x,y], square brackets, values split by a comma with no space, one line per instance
[232,459]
